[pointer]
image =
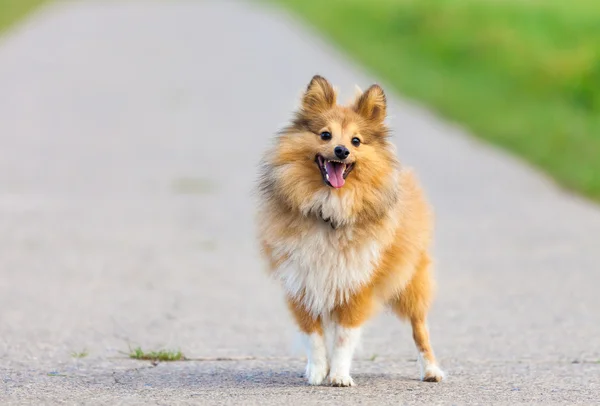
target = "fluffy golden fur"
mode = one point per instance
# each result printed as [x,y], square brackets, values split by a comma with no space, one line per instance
[344,249]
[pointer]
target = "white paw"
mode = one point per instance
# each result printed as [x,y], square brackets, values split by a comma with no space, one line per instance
[316,373]
[433,373]
[341,380]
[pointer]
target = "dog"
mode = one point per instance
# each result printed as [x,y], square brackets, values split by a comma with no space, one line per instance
[345,228]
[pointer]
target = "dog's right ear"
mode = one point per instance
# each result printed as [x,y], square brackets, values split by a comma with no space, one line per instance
[319,96]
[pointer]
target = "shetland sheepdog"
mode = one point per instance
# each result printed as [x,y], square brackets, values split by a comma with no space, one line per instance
[345,228]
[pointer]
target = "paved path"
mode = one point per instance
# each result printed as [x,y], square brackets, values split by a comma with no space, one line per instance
[129,137]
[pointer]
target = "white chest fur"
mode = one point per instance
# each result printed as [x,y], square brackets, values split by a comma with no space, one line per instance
[324,266]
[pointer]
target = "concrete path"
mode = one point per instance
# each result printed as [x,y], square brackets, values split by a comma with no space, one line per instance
[129,138]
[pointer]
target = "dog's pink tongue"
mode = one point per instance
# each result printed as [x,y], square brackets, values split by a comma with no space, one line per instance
[336,174]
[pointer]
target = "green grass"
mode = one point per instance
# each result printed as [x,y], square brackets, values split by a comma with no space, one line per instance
[523,74]
[194,186]
[13,10]
[81,354]
[55,373]
[161,355]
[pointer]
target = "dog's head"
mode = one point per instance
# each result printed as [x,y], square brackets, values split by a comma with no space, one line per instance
[332,149]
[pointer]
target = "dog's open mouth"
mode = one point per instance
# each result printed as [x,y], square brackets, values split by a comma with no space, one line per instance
[334,172]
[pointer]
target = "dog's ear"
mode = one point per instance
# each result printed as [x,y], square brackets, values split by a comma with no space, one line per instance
[371,104]
[319,96]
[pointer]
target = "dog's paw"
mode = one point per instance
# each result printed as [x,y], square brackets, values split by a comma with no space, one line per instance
[341,380]
[433,373]
[316,373]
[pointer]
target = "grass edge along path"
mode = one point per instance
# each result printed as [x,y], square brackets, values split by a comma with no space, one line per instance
[12,11]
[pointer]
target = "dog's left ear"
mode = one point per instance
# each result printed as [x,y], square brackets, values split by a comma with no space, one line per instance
[371,104]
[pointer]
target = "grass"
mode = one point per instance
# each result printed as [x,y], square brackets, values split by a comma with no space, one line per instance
[193,186]
[13,10]
[161,355]
[523,74]
[81,354]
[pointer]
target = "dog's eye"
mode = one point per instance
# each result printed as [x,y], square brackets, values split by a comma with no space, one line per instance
[355,142]
[325,135]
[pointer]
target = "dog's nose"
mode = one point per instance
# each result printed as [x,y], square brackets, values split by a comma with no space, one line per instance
[341,152]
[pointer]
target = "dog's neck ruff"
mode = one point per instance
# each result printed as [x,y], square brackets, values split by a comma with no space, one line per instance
[323,265]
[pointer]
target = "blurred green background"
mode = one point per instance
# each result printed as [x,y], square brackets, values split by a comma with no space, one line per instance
[523,74]
[12,10]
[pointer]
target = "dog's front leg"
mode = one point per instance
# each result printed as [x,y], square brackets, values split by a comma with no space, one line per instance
[311,327]
[345,340]
[345,325]
[316,352]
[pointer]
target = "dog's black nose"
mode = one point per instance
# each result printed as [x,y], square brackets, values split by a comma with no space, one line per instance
[341,152]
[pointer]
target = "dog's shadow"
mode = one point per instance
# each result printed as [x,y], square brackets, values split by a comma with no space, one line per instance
[265,377]
[224,375]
